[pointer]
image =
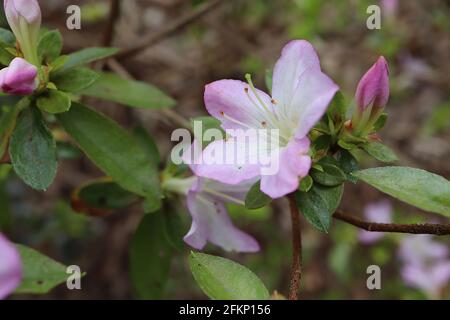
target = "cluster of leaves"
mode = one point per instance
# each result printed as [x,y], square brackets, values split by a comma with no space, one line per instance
[35,129]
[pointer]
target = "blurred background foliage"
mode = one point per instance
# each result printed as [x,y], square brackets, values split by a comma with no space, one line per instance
[246,37]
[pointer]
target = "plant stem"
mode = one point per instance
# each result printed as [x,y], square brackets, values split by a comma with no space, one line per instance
[296,268]
[427,228]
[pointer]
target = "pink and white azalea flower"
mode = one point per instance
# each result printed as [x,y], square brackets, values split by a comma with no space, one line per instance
[301,94]
[426,264]
[10,267]
[19,78]
[210,221]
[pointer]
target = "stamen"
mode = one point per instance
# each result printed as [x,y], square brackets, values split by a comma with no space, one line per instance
[235,120]
[224,196]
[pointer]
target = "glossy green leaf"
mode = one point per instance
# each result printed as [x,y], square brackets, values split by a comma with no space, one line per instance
[33,150]
[306,183]
[147,143]
[337,109]
[75,79]
[7,37]
[381,122]
[40,273]
[106,195]
[380,152]
[348,163]
[136,94]
[331,175]
[54,101]
[5,57]
[255,198]
[319,204]
[113,150]
[50,46]
[417,187]
[86,56]
[150,257]
[223,279]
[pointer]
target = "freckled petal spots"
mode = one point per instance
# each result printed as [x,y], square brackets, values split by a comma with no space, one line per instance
[10,267]
[210,222]
[296,57]
[230,101]
[311,99]
[293,163]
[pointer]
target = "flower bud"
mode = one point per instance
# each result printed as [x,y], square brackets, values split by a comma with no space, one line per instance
[19,78]
[24,18]
[372,95]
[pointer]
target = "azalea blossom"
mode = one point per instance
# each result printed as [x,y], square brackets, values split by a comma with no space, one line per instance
[210,221]
[19,78]
[300,96]
[372,95]
[10,267]
[426,264]
[379,212]
[24,18]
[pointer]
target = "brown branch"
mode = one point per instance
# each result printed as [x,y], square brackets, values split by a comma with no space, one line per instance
[171,28]
[296,268]
[426,228]
[114,13]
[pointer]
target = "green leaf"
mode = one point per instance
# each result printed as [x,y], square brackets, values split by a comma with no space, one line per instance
[106,195]
[75,79]
[7,37]
[150,257]
[54,101]
[417,187]
[5,57]
[113,150]
[306,184]
[200,126]
[50,46]
[148,144]
[136,94]
[86,56]
[255,198]
[40,273]
[337,109]
[268,80]
[331,176]
[348,163]
[381,122]
[7,123]
[380,152]
[33,150]
[223,279]
[319,204]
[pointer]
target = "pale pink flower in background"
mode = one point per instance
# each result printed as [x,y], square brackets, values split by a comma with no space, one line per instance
[425,264]
[301,93]
[19,78]
[389,8]
[379,212]
[10,267]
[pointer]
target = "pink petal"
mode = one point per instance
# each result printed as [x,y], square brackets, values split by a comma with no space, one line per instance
[210,222]
[296,57]
[311,99]
[374,86]
[229,161]
[29,9]
[10,267]
[230,101]
[293,164]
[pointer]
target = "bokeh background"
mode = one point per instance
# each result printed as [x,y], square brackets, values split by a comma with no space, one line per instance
[235,38]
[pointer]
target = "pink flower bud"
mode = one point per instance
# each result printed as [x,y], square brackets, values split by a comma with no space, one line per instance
[19,78]
[24,18]
[373,88]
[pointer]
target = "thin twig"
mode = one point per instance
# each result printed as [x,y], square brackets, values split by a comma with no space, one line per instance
[114,13]
[172,115]
[427,228]
[296,269]
[152,39]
